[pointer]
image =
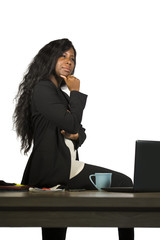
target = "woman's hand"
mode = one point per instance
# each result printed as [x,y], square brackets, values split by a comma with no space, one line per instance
[72,82]
[69,135]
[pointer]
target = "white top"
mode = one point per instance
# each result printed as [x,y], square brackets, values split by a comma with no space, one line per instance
[76,166]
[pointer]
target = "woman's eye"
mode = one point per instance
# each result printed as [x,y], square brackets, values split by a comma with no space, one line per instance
[72,59]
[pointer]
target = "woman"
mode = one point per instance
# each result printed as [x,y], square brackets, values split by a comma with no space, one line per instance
[48,118]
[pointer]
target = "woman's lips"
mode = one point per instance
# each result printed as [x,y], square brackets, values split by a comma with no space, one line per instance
[68,70]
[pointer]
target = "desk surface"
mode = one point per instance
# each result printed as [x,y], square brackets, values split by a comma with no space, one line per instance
[80,199]
[79,209]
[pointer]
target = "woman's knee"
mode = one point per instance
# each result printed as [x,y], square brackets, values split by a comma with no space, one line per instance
[121,180]
[128,182]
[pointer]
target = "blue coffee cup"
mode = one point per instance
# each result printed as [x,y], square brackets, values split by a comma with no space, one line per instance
[102,180]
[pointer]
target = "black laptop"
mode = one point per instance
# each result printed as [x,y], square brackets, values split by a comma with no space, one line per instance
[146,170]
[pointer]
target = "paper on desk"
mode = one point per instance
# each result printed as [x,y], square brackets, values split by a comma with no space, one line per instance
[52,189]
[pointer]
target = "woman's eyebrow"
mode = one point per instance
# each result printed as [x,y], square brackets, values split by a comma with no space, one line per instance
[72,55]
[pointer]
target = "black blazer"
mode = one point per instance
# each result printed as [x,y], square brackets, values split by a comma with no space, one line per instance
[50,160]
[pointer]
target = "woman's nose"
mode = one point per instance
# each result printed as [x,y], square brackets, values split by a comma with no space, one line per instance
[68,61]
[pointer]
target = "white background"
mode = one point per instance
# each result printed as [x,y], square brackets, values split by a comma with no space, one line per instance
[118,46]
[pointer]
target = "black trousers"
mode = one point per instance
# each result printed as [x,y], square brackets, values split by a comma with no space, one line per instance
[81,181]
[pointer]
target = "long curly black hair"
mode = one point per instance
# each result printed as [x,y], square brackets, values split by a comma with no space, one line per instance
[41,67]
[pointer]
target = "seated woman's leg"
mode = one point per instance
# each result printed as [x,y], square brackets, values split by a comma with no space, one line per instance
[54,233]
[126,233]
[81,181]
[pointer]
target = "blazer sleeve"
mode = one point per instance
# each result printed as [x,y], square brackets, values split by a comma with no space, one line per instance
[82,135]
[81,139]
[47,102]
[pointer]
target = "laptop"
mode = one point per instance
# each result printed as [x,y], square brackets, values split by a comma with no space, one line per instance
[146,169]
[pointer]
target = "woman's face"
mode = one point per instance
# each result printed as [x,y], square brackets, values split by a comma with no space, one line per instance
[65,64]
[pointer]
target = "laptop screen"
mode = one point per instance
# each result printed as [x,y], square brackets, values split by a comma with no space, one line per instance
[147,166]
